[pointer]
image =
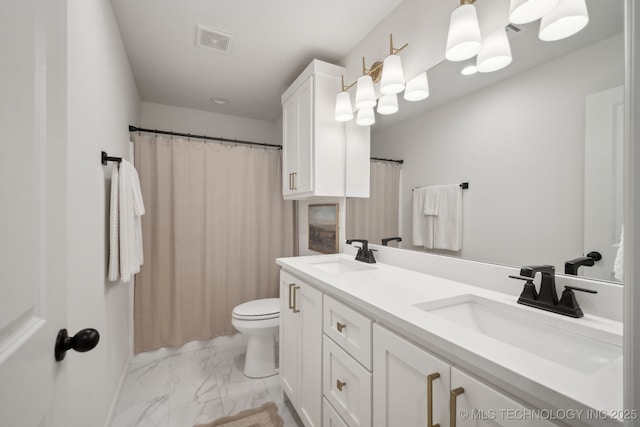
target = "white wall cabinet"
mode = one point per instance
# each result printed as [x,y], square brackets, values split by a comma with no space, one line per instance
[301,347]
[314,144]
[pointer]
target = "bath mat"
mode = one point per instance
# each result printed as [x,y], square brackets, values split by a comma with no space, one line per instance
[264,416]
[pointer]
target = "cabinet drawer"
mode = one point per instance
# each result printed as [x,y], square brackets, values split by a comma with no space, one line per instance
[330,417]
[350,329]
[346,385]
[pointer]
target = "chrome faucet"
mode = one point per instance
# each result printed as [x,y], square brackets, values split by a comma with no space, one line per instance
[364,253]
[547,298]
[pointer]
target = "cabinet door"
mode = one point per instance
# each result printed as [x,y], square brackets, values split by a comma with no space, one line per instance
[481,405]
[297,141]
[401,373]
[289,339]
[309,300]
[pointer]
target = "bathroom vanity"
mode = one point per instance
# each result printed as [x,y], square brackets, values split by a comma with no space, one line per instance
[378,345]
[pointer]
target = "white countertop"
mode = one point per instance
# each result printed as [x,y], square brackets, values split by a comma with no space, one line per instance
[388,295]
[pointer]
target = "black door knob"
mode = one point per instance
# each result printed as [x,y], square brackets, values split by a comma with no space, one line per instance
[84,340]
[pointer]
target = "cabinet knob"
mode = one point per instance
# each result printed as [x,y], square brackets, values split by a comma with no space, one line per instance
[430,379]
[340,326]
[340,384]
[452,405]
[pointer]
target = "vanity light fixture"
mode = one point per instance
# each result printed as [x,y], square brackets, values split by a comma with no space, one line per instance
[464,39]
[495,53]
[524,11]
[391,76]
[469,70]
[417,88]
[566,19]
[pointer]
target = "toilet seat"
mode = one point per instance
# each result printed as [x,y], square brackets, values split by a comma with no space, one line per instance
[261,309]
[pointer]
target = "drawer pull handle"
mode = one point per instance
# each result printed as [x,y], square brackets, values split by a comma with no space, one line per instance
[340,385]
[452,405]
[340,326]
[291,285]
[430,379]
[295,309]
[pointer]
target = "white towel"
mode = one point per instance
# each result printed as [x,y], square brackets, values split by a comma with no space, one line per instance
[618,264]
[130,210]
[447,224]
[114,234]
[432,200]
[422,226]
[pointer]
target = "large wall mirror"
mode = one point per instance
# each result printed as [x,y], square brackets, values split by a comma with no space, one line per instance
[539,143]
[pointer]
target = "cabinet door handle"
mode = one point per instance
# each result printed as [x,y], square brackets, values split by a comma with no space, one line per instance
[291,181]
[452,405]
[295,185]
[340,384]
[430,379]
[291,285]
[340,326]
[295,309]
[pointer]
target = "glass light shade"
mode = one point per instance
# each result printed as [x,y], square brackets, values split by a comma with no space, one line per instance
[495,53]
[344,111]
[469,70]
[463,40]
[392,76]
[366,117]
[524,11]
[388,104]
[566,19]
[417,88]
[365,94]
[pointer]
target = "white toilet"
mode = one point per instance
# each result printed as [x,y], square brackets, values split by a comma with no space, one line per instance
[259,319]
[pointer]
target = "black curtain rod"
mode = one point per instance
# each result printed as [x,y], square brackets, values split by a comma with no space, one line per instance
[211,138]
[388,160]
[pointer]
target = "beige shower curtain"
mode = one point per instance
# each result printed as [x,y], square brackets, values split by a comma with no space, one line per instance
[378,216]
[215,223]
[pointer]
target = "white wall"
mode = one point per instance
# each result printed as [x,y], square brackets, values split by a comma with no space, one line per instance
[102,101]
[526,176]
[197,122]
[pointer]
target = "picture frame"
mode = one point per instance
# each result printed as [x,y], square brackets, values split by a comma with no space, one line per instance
[323,228]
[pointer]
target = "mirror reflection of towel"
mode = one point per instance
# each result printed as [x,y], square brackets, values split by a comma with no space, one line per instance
[447,224]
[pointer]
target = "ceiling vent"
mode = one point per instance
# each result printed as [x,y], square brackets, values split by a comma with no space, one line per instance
[213,40]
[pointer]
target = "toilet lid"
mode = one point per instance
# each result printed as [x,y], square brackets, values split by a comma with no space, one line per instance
[258,309]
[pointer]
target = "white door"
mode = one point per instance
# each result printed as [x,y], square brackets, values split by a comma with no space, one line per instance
[32,212]
[603,179]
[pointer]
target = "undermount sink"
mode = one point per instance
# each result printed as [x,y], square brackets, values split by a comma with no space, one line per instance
[341,266]
[554,338]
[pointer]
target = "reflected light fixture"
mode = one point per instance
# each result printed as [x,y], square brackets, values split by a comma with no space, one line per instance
[464,39]
[469,70]
[392,75]
[566,19]
[365,117]
[388,104]
[417,88]
[365,94]
[525,11]
[495,53]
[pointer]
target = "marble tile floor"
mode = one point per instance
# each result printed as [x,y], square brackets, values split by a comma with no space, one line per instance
[194,384]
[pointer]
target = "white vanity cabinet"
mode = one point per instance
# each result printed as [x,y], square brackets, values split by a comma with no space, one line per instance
[301,347]
[412,387]
[410,384]
[315,152]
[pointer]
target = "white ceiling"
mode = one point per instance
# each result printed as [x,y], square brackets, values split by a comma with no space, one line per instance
[274,40]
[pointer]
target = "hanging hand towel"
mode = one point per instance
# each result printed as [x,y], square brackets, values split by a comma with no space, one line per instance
[422,226]
[618,263]
[447,225]
[114,235]
[131,208]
